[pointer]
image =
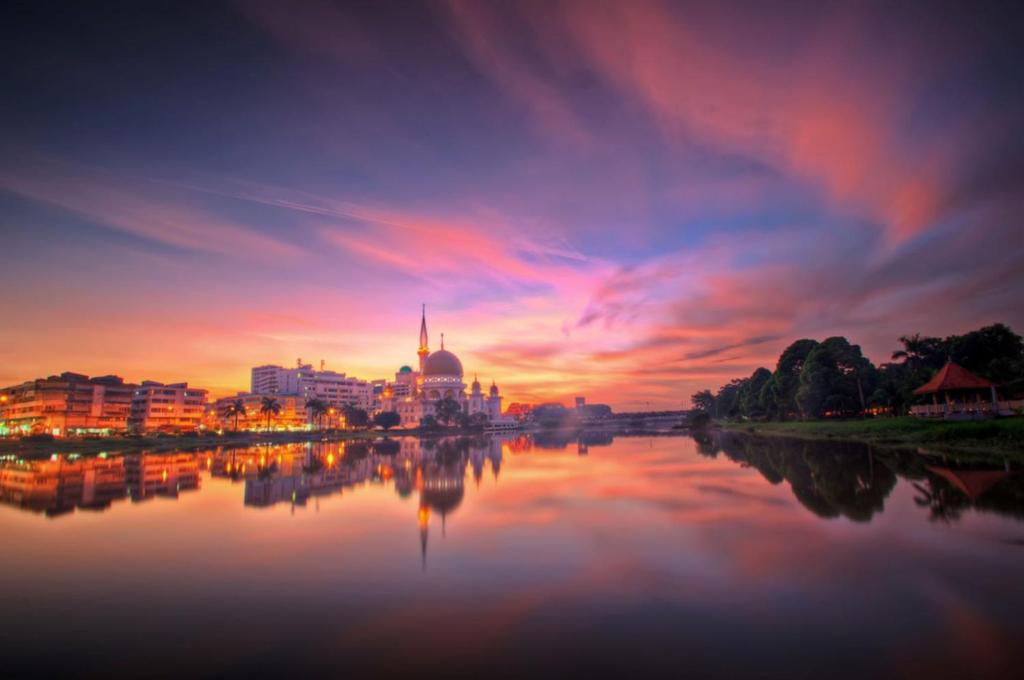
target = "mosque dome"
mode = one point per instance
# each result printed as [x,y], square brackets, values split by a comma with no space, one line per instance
[405,369]
[442,362]
[443,500]
[494,389]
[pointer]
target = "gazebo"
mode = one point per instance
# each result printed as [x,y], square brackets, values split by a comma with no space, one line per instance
[963,394]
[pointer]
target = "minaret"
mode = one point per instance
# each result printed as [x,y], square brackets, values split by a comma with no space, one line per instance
[424,350]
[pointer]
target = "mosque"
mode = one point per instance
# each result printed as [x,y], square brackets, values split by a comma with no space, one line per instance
[414,395]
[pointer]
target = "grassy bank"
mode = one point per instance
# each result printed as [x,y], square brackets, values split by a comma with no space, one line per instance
[1004,436]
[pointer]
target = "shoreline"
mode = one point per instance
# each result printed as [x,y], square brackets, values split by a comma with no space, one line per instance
[1003,437]
[167,444]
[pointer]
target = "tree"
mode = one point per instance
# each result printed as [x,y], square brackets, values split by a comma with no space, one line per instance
[921,352]
[751,401]
[699,420]
[387,420]
[894,390]
[237,409]
[317,410]
[355,416]
[727,401]
[920,357]
[786,379]
[852,364]
[270,407]
[703,401]
[447,410]
[832,380]
[477,421]
[428,423]
[994,352]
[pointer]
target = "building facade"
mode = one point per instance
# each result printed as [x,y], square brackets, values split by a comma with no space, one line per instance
[336,389]
[175,407]
[66,404]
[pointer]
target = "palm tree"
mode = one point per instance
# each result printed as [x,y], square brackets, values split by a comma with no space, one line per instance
[237,409]
[913,348]
[920,352]
[317,409]
[270,407]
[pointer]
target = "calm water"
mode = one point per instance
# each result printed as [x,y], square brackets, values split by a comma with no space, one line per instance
[513,557]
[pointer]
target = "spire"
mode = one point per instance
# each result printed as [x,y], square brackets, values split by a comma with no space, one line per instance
[424,350]
[442,341]
[423,329]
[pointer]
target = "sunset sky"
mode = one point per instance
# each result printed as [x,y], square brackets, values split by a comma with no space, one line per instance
[625,200]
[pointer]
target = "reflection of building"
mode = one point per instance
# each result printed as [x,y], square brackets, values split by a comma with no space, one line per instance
[294,473]
[69,403]
[176,407]
[151,474]
[59,485]
[415,395]
[304,381]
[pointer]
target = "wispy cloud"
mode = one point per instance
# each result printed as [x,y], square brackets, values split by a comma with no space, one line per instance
[145,209]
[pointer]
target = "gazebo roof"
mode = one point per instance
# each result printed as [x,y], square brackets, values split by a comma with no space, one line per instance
[953,377]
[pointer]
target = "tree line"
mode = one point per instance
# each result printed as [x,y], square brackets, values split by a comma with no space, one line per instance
[833,378]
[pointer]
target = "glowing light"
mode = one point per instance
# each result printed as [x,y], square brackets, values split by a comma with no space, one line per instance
[423,516]
[330,459]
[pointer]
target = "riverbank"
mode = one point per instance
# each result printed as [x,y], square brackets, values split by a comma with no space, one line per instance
[1003,436]
[33,449]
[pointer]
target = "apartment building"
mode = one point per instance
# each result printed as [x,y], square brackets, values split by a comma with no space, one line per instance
[304,381]
[66,404]
[159,407]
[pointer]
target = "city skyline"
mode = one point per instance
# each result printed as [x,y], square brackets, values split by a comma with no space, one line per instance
[629,201]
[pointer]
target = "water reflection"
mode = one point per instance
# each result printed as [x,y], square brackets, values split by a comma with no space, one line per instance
[566,554]
[833,479]
[853,480]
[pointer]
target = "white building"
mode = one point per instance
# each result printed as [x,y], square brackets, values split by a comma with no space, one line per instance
[304,381]
[415,394]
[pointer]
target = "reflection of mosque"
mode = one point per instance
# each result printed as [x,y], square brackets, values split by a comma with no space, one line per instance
[435,468]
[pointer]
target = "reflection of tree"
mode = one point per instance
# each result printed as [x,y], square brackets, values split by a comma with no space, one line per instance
[356,451]
[706,445]
[945,503]
[852,480]
[829,479]
[387,447]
